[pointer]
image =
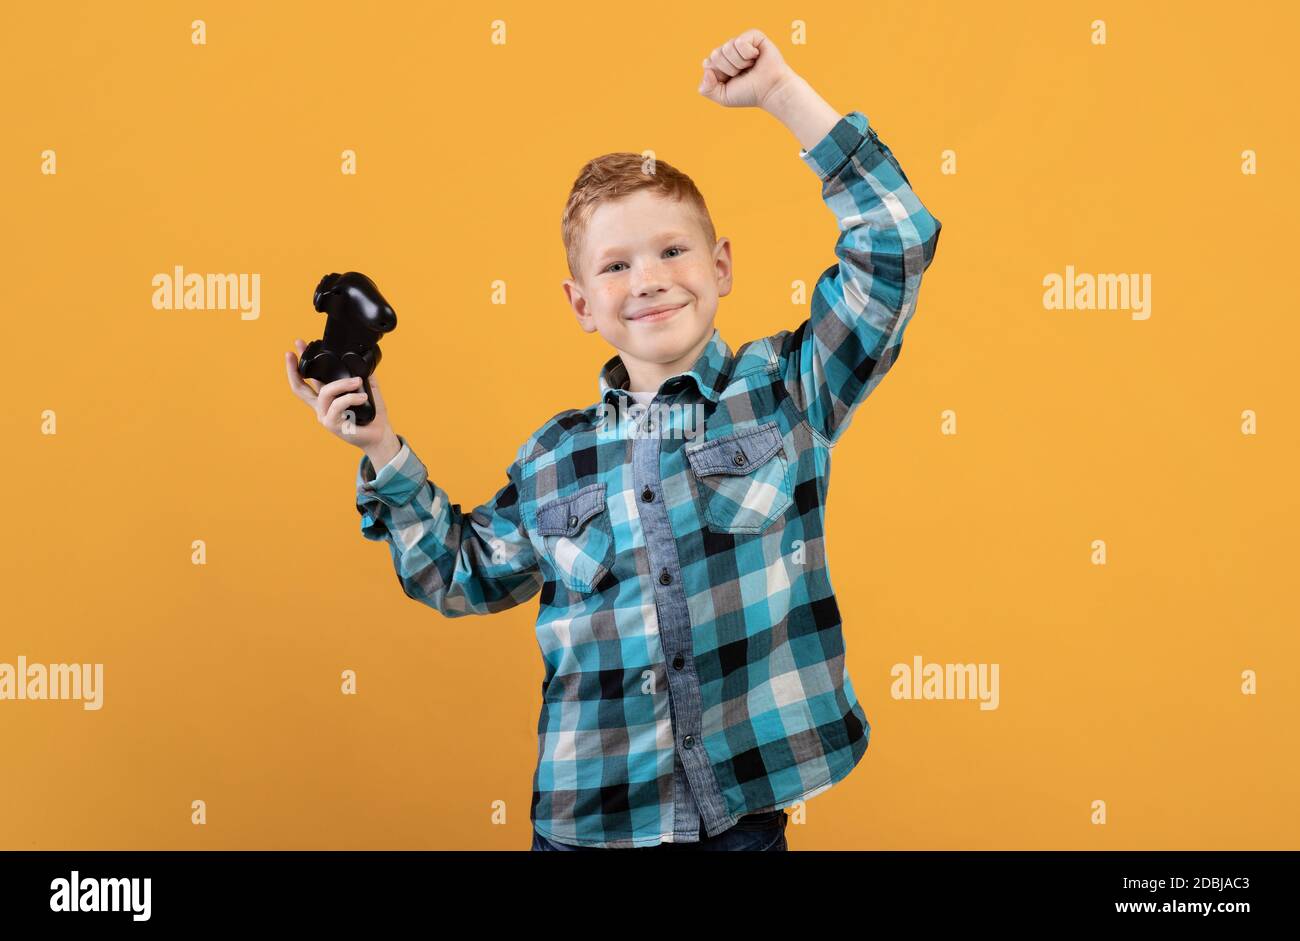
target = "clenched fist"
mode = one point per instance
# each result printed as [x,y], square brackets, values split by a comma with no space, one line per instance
[744,71]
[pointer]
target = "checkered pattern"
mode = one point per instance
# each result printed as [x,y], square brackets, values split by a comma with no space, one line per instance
[691,641]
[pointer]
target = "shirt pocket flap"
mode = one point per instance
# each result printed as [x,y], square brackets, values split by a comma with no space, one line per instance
[567,515]
[738,453]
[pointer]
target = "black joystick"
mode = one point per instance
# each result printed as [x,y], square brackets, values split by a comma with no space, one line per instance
[356,317]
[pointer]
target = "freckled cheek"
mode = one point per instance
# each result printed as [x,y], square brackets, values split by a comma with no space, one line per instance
[698,282]
[611,298]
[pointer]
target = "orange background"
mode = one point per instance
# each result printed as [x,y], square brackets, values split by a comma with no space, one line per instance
[1118,682]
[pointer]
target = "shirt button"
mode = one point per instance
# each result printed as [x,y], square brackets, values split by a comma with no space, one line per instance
[678,662]
[647,495]
[573,521]
[689,741]
[739,459]
[665,578]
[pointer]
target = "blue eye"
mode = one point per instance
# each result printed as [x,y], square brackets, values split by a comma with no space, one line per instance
[674,248]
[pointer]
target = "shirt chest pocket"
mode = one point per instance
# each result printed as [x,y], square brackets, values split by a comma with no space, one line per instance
[578,537]
[743,479]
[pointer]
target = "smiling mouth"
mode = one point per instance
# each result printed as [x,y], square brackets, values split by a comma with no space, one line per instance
[661,315]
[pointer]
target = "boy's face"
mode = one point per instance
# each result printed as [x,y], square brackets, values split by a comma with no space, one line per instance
[642,252]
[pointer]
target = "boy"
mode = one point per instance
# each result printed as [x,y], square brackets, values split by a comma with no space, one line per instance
[694,661]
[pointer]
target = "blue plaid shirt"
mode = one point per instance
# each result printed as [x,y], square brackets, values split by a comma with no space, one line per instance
[691,642]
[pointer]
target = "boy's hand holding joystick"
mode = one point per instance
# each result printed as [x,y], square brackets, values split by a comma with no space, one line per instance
[348,401]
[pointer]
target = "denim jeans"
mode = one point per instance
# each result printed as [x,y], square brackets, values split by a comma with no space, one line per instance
[765,831]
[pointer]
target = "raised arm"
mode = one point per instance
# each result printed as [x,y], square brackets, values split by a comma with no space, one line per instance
[860,305]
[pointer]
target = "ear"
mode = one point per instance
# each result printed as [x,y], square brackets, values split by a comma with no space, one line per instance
[573,294]
[722,266]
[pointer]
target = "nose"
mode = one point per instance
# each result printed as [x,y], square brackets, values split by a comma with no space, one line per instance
[649,278]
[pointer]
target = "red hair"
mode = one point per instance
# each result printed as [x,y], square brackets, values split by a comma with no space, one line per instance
[615,175]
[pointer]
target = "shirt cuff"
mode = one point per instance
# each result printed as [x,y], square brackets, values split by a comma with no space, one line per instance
[397,481]
[833,151]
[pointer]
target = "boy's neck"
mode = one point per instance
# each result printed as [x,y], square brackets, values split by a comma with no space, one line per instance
[648,377]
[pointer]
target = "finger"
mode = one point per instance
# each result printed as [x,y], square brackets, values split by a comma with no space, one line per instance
[718,61]
[732,55]
[334,417]
[747,44]
[300,388]
[720,64]
[709,82]
[311,385]
[339,386]
[331,391]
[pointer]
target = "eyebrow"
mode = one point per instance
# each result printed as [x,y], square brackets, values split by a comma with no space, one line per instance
[670,236]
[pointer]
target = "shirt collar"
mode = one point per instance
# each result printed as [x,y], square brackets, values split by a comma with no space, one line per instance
[709,372]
